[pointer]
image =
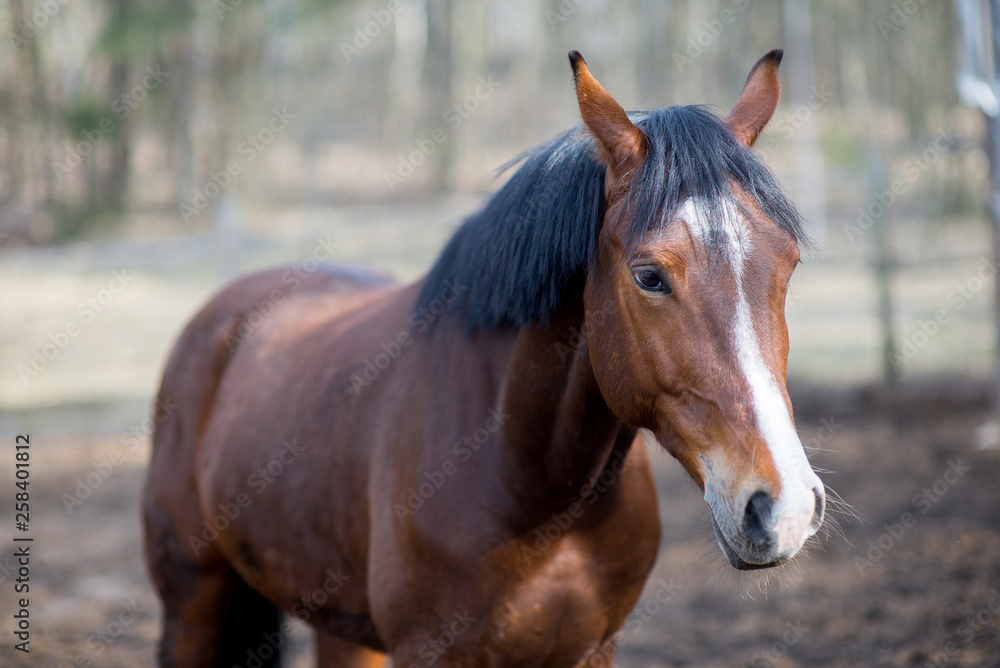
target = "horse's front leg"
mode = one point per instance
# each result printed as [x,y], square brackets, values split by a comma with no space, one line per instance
[334,652]
[602,657]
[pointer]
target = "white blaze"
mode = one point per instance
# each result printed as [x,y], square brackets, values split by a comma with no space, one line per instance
[796,503]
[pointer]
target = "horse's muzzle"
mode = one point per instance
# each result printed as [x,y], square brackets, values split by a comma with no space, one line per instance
[763,540]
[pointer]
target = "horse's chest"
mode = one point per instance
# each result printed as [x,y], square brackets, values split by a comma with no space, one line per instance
[575,600]
[548,607]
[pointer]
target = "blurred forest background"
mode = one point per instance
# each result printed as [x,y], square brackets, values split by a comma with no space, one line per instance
[112,107]
[207,139]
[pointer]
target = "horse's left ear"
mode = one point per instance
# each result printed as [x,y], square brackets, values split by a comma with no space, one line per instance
[758,100]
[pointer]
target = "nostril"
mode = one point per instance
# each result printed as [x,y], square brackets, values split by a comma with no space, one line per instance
[758,519]
[820,510]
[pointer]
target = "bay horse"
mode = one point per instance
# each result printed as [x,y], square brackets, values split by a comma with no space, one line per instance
[454,472]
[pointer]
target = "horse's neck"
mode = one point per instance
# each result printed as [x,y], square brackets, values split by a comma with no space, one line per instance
[561,432]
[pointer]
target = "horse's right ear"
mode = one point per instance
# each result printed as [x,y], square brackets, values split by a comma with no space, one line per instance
[623,146]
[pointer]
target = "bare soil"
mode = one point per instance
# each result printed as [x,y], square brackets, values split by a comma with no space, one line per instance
[915,584]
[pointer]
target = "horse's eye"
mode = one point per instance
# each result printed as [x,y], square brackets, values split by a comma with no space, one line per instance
[649,279]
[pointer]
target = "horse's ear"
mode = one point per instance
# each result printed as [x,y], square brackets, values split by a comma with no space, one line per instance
[623,146]
[758,100]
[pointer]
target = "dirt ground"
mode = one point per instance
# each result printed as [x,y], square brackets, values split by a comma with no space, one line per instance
[916,583]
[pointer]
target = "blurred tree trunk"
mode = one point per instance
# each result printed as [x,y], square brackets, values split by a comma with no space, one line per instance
[29,119]
[654,65]
[18,111]
[42,118]
[470,60]
[855,76]
[437,84]
[993,148]
[409,50]
[809,183]
[180,92]
[114,181]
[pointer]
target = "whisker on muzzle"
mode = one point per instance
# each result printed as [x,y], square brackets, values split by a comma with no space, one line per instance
[831,526]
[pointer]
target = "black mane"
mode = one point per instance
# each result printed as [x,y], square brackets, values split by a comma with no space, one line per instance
[532,242]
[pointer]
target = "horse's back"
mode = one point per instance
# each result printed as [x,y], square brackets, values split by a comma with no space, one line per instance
[198,363]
